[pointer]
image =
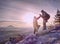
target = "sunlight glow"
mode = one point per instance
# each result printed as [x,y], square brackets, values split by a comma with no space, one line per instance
[28,18]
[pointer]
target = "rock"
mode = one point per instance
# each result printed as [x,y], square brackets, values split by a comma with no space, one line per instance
[51,37]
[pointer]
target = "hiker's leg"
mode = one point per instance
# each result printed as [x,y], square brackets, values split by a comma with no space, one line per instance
[34,31]
[38,26]
[44,24]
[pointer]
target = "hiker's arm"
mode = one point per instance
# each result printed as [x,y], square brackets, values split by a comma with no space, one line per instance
[39,16]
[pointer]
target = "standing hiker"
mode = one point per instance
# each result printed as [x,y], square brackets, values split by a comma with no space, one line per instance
[35,24]
[45,17]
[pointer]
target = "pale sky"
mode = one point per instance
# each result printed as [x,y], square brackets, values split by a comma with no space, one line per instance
[17,10]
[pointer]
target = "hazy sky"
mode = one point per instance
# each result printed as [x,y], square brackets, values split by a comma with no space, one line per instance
[15,10]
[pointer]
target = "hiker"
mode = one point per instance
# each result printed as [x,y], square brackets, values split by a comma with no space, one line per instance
[45,17]
[35,24]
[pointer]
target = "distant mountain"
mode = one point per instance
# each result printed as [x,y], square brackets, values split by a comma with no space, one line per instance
[13,23]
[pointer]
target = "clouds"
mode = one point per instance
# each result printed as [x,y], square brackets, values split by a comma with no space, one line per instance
[16,9]
[8,10]
[13,10]
[54,3]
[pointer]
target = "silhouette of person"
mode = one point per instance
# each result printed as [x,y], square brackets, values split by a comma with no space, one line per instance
[35,24]
[45,17]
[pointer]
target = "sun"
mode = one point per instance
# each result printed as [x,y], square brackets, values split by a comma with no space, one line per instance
[28,18]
